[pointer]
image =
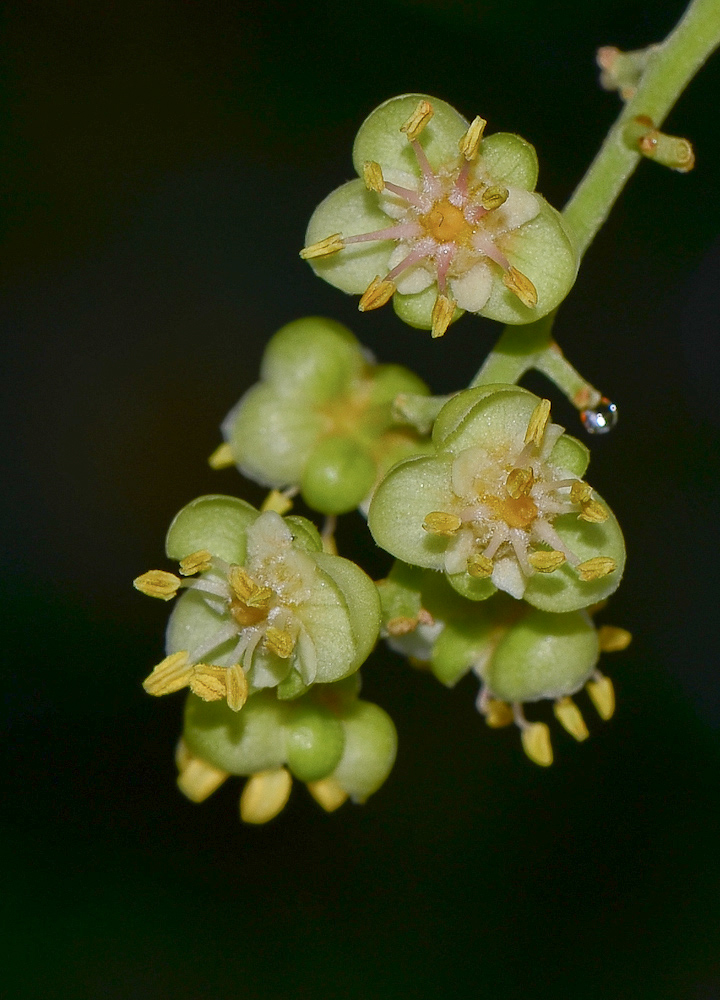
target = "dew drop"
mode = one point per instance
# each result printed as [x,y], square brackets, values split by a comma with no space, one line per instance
[601,418]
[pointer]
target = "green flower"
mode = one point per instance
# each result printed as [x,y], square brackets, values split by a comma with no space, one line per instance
[339,745]
[263,606]
[321,418]
[518,653]
[443,220]
[501,505]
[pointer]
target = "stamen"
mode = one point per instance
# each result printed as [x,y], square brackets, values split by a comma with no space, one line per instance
[246,589]
[373,176]
[602,695]
[158,583]
[442,314]
[279,502]
[237,687]
[279,642]
[519,482]
[494,197]
[414,257]
[196,562]
[594,512]
[411,197]
[596,568]
[328,793]
[198,779]
[497,713]
[377,293]
[520,285]
[437,522]
[323,248]
[424,617]
[222,457]
[537,423]
[580,492]
[613,639]
[536,743]
[546,562]
[208,681]
[417,120]
[568,715]
[265,795]
[401,231]
[470,142]
[171,674]
[479,566]
[402,625]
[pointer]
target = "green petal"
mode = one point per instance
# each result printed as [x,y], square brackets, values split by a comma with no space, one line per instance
[400,592]
[238,742]
[337,476]
[484,416]
[459,646]
[315,741]
[389,381]
[370,749]
[350,210]
[416,310]
[472,587]
[570,454]
[193,624]
[216,523]
[361,600]
[410,491]
[506,159]
[544,656]
[380,139]
[542,250]
[271,438]
[563,590]
[312,358]
[305,534]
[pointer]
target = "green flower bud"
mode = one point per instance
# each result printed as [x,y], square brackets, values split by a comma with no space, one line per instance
[443,220]
[321,417]
[369,753]
[263,606]
[500,506]
[315,741]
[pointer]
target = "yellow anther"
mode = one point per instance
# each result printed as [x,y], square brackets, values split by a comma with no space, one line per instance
[602,695]
[497,713]
[222,457]
[417,120]
[596,568]
[424,617]
[402,625]
[279,642]
[470,142]
[196,562]
[479,566]
[323,248]
[519,482]
[277,501]
[442,314]
[265,795]
[520,285]
[237,687]
[580,492]
[494,197]
[568,715]
[246,590]
[546,561]
[593,511]
[538,422]
[209,681]
[171,674]
[377,293]
[260,597]
[373,176]
[158,583]
[437,522]
[198,779]
[536,743]
[328,793]
[613,639]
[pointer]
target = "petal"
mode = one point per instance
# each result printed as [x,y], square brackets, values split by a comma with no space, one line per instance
[507,159]
[472,290]
[242,742]
[379,137]
[489,416]
[350,210]
[370,748]
[416,310]
[520,207]
[193,625]
[214,522]
[312,358]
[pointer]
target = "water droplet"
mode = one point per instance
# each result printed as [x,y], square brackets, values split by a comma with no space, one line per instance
[601,419]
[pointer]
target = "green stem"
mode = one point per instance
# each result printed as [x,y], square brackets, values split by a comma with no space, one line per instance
[670,68]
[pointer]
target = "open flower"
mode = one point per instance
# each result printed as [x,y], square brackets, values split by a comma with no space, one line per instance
[320,418]
[501,505]
[263,606]
[443,220]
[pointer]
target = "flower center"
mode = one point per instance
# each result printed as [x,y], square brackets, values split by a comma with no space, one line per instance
[446,223]
[516,512]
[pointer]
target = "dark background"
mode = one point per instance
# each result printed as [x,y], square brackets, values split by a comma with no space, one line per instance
[159,164]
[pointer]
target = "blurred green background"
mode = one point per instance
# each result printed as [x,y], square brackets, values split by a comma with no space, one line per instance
[159,164]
